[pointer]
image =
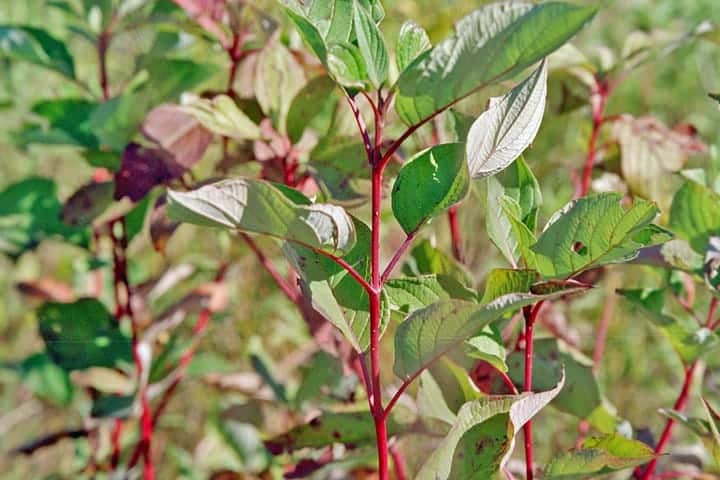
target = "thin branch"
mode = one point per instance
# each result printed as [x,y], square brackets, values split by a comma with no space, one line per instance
[348,268]
[291,293]
[398,463]
[50,439]
[361,126]
[396,258]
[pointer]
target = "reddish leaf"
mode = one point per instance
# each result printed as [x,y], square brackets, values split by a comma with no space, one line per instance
[207,14]
[47,289]
[178,133]
[141,170]
[88,202]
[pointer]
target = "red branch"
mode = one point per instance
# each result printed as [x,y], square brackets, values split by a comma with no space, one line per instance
[599,97]
[455,234]
[103,43]
[123,296]
[396,258]
[530,317]
[398,463]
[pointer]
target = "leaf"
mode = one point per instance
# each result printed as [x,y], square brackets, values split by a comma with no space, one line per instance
[517,192]
[177,132]
[349,428]
[424,259]
[489,45]
[600,455]
[36,46]
[30,213]
[68,123]
[87,203]
[693,217]
[433,331]
[713,421]
[593,231]
[689,341]
[509,125]
[309,33]
[581,396]
[482,437]
[428,184]
[141,170]
[46,380]
[431,403]
[258,206]
[412,41]
[336,294]
[222,116]
[488,346]
[371,44]
[321,375]
[347,66]
[278,78]
[408,294]
[650,154]
[82,334]
[501,281]
[309,102]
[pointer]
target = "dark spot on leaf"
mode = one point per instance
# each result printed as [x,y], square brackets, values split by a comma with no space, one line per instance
[579,248]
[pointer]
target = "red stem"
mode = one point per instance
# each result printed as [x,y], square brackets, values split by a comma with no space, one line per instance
[455,234]
[599,101]
[398,255]
[124,307]
[530,317]
[398,463]
[115,441]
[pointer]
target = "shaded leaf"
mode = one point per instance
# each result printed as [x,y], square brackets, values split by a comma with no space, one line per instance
[693,215]
[501,281]
[34,45]
[82,334]
[428,184]
[408,294]
[177,132]
[309,102]
[141,170]
[46,379]
[87,203]
[221,115]
[424,259]
[509,125]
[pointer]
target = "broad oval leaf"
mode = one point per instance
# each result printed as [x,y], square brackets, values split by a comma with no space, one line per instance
[309,102]
[491,44]
[694,215]
[82,334]
[407,294]
[347,66]
[428,184]
[431,332]
[412,41]
[500,135]
[491,422]
[598,455]
[594,231]
[258,206]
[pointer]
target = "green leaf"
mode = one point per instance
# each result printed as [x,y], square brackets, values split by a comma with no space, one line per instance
[170,77]
[424,259]
[221,115]
[258,206]
[600,455]
[335,293]
[322,373]
[309,102]
[581,396]
[372,45]
[693,215]
[412,41]
[689,341]
[309,33]
[517,192]
[68,123]
[488,346]
[354,428]
[433,331]
[278,78]
[408,294]
[46,379]
[713,423]
[501,281]
[481,439]
[509,125]
[30,213]
[431,402]
[428,184]
[491,44]
[347,66]
[82,334]
[593,231]
[34,45]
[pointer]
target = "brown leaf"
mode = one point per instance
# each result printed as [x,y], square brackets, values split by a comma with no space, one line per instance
[88,202]
[178,133]
[47,289]
[161,227]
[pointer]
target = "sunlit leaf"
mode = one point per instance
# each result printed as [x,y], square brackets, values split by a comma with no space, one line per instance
[412,41]
[36,46]
[371,44]
[693,215]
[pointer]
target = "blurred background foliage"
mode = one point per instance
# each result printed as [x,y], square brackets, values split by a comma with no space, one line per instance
[638,379]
